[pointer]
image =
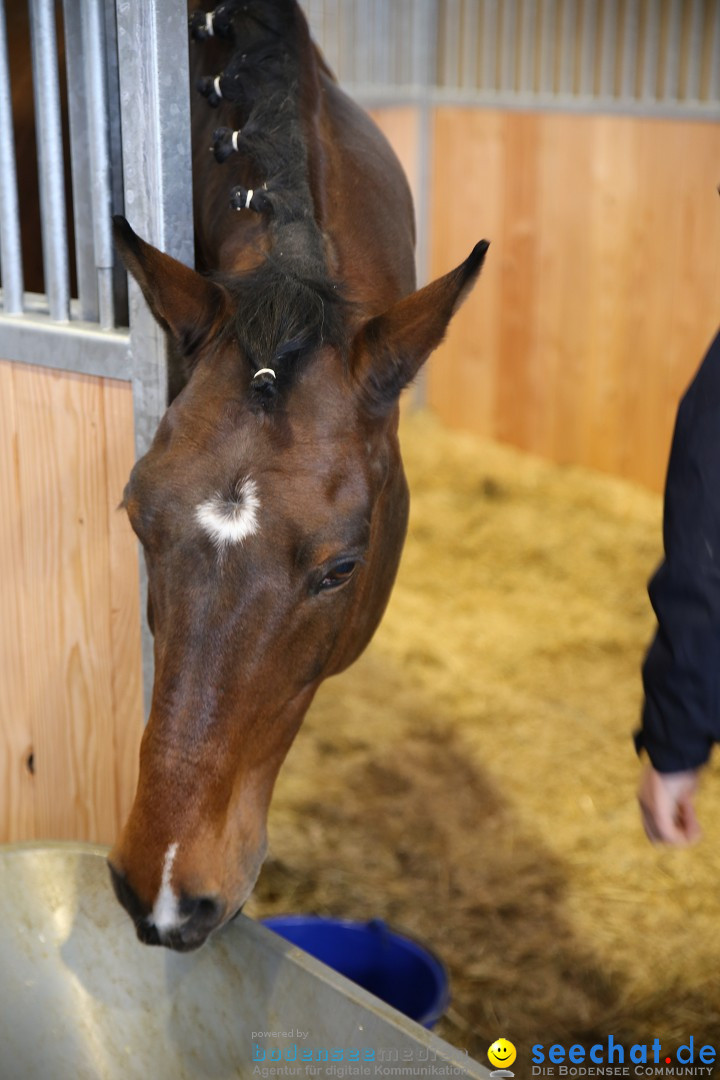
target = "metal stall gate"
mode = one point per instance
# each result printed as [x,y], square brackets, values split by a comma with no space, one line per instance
[126,67]
[126,63]
[130,153]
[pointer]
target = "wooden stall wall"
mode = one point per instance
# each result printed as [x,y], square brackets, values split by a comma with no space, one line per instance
[70,674]
[601,289]
[401,127]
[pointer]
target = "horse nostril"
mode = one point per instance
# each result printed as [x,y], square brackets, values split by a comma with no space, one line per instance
[201,911]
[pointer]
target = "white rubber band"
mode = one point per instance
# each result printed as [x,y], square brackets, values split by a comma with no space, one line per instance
[216,85]
[248,200]
[209,16]
[234,139]
[265,371]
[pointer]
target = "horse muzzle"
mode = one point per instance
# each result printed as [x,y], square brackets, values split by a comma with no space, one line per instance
[184,928]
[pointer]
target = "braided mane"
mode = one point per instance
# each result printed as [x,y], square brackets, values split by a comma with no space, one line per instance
[289,305]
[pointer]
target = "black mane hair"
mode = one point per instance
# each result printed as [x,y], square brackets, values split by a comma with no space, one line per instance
[281,318]
[289,305]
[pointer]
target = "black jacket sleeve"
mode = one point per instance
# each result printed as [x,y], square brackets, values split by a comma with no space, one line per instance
[681,672]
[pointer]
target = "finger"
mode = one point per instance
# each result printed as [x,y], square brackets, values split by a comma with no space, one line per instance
[687,819]
[648,820]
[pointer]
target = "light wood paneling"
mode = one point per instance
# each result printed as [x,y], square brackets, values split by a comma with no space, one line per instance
[125,614]
[70,623]
[16,739]
[600,294]
[601,289]
[401,127]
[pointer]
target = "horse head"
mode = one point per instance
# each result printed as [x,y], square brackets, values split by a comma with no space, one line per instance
[272,505]
[272,525]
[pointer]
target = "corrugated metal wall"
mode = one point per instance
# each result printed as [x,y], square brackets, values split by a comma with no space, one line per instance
[660,56]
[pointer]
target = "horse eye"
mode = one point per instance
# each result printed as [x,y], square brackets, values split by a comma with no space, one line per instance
[338,574]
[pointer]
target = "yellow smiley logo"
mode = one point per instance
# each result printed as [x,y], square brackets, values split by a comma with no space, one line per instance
[501,1053]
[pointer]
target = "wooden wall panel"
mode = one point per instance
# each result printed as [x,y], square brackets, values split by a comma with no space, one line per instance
[601,289]
[401,127]
[125,614]
[600,294]
[16,739]
[70,629]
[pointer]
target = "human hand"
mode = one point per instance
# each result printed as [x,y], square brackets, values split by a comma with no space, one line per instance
[667,806]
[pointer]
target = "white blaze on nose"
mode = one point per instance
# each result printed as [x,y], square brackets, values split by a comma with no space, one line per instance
[165,913]
[230,520]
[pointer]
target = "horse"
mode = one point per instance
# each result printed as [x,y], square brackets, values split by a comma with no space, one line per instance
[272,505]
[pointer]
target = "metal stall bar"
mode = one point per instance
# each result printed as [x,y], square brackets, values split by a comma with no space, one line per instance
[85,52]
[671,79]
[567,39]
[401,31]
[607,51]
[385,68]
[50,157]
[528,17]
[651,48]
[586,83]
[155,119]
[470,47]
[691,89]
[80,160]
[489,45]
[507,49]
[629,63]
[714,81]
[116,156]
[449,61]
[10,250]
[331,37]
[546,81]
[93,38]
[346,42]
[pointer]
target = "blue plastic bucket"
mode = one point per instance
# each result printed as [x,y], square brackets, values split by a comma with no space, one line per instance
[395,968]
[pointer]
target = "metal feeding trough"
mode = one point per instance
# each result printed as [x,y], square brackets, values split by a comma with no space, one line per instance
[82,999]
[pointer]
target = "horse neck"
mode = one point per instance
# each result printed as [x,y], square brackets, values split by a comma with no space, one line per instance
[235,243]
[356,221]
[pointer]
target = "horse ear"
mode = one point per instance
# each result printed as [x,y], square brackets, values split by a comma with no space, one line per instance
[390,349]
[185,303]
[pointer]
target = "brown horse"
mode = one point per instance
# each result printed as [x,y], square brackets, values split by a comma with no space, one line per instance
[272,505]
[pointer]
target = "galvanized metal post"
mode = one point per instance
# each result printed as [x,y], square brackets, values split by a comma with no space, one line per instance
[714,80]
[10,251]
[489,45]
[50,157]
[80,161]
[116,156]
[93,36]
[527,39]
[155,117]
[586,86]
[86,51]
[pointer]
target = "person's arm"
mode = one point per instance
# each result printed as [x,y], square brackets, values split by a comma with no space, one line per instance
[681,672]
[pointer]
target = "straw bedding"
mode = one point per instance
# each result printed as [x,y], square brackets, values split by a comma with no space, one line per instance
[471,779]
